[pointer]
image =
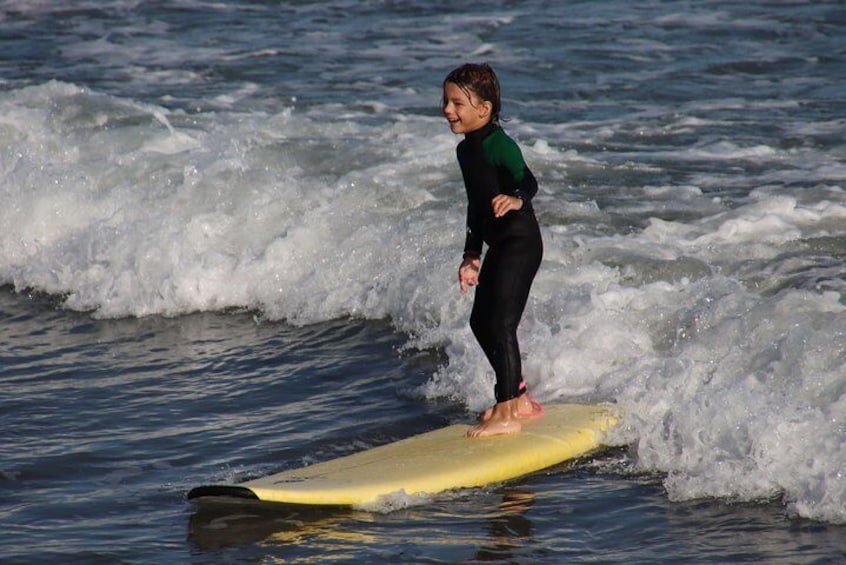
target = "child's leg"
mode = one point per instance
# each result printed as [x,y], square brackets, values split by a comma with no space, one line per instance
[501,296]
[496,333]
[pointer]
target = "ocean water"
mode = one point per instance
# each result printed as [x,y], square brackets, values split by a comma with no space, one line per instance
[229,233]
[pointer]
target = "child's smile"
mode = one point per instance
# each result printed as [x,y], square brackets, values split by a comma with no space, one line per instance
[463,112]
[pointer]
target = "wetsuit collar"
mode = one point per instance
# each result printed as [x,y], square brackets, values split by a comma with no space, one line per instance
[478,135]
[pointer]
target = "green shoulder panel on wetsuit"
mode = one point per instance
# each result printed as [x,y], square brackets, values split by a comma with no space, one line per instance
[502,150]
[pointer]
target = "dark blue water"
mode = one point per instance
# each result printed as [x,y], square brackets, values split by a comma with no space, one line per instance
[99,449]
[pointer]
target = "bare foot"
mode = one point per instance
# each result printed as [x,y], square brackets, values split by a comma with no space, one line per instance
[503,420]
[525,409]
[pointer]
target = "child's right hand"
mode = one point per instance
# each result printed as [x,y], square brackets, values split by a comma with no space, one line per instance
[468,273]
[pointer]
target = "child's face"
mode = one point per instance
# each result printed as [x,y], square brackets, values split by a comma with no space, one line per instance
[464,113]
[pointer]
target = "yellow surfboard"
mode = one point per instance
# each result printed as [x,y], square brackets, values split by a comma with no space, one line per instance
[432,462]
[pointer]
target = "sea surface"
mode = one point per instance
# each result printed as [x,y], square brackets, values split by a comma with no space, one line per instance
[229,236]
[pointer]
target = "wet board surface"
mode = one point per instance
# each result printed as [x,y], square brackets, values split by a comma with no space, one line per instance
[431,463]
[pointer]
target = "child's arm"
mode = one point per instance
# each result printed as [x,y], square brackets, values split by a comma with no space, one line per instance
[507,153]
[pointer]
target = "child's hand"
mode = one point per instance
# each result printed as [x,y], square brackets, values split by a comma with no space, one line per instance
[502,204]
[468,273]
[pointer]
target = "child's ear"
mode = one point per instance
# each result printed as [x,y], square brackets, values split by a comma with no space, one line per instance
[485,108]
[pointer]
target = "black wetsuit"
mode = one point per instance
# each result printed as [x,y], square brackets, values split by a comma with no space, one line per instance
[492,164]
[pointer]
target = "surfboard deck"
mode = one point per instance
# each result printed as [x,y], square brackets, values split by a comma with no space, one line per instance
[431,463]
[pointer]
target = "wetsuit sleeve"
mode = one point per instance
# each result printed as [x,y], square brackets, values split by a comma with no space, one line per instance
[528,186]
[473,240]
[512,158]
[472,243]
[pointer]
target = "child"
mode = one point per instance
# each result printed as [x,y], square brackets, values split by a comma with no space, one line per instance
[500,188]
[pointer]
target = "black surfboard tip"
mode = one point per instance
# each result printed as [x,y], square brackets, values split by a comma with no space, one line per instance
[221,491]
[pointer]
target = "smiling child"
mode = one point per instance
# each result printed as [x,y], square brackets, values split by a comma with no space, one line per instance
[500,188]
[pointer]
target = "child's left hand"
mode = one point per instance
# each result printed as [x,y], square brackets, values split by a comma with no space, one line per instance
[502,204]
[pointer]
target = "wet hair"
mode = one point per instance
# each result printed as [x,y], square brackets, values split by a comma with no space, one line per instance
[479,79]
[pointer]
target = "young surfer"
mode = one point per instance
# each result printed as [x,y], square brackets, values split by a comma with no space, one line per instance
[500,188]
